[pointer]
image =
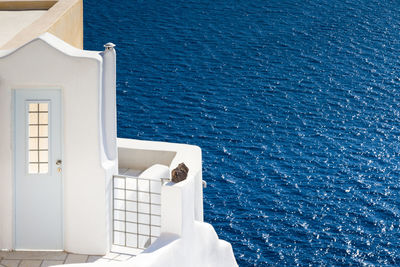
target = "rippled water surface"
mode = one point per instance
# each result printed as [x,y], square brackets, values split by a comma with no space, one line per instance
[296,105]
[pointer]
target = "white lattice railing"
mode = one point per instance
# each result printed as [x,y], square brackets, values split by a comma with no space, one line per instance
[137,211]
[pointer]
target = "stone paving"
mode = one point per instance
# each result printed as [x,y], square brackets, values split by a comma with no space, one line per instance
[44,258]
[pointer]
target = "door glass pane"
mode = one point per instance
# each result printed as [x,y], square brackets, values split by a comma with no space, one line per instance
[38,141]
[43,130]
[33,118]
[33,107]
[33,142]
[33,131]
[33,156]
[44,168]
[44,107]
[43,143]
[33,168]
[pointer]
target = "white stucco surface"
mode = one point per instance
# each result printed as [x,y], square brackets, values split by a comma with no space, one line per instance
[184,241]
[90,159]
[12,22]
[48,62]
[143,154]
[108,103]
[156,171]
[199,248]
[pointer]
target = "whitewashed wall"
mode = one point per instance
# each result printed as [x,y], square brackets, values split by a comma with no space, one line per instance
[140,155]
[184,240]
[48,62]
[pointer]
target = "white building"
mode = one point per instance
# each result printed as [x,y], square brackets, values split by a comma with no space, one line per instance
[67,182]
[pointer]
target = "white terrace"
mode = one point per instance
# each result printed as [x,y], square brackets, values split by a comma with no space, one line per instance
[67,183]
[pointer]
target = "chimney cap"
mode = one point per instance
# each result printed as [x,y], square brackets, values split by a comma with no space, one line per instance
[109,46]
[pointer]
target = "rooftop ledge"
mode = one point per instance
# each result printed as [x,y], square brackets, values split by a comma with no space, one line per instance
[140,155]
[14,5]
[22,21]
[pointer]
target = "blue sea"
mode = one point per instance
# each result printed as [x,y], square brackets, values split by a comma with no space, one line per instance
[295,104]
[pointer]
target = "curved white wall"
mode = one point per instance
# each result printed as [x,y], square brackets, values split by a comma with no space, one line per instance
[48,62]
[139,155]
[184,240]
[109,98]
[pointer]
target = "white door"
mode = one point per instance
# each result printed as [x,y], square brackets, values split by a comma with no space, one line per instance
[38,163]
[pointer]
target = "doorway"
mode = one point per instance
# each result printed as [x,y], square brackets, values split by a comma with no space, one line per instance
[38,169]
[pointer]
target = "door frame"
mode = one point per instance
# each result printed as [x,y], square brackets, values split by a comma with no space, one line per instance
[14,157]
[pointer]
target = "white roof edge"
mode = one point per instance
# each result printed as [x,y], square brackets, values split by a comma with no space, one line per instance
[58,44]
